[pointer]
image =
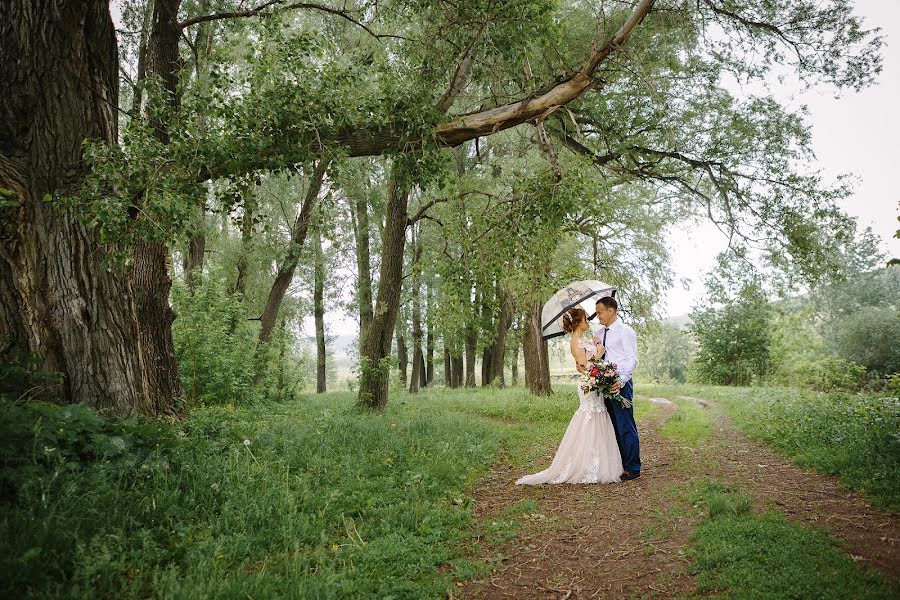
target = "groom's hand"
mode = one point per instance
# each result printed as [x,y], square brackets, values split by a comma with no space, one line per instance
[616,387]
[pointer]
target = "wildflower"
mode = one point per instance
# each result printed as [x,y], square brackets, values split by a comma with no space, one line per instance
[247,443]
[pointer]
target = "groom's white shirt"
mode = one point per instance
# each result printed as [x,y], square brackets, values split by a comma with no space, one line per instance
[621,347]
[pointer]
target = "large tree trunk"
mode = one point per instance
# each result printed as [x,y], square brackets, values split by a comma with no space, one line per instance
[288,265]
[417,365]
[319,313]
[59,63]
[373,388]
[155,317]
[363,266]
[152,259]
[537,360]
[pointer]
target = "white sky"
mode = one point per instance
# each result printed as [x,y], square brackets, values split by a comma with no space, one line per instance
[853,134]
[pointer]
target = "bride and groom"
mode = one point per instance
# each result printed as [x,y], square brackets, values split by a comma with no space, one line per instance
[601,443]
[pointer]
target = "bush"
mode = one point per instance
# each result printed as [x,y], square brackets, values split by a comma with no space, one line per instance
[217,353]
[871,338]
[830,374]
[733,340]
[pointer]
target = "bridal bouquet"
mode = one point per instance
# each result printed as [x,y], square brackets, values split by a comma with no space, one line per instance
[600,376]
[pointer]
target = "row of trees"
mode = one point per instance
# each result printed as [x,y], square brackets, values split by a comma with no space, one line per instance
[838,335]
[477,154]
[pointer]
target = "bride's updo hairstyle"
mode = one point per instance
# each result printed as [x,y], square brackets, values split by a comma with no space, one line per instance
[572,319]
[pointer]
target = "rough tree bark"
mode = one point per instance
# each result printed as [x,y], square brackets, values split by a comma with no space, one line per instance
[289,264]
[59,64]
[152,259]
[373,388]
[537,360]
[319,312]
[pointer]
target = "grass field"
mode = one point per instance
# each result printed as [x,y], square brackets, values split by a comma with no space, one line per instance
[311,498]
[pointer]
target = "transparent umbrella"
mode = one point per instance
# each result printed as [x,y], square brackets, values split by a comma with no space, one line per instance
[577,293]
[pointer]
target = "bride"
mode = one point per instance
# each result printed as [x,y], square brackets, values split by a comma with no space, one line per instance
[588,452]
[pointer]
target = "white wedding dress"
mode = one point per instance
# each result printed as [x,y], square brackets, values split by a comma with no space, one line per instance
[588,452]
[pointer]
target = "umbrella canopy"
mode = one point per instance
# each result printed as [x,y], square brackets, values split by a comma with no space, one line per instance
[583,293]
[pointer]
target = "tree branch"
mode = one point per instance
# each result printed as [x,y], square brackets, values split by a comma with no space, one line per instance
[261,11]
[460,74]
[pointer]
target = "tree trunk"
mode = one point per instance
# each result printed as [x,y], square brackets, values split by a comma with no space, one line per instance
[59,63]
[402,353]
[429,334]
[193,264]
[447,371]
[504,321]
[137,90]
[514,361]
[155,317]
[152,259]
[289,264]
[240,283]
[487,324]
[537,361]
[417,365]
[471,341]
[319,311]
[373,388]
[456,363]
[363,267]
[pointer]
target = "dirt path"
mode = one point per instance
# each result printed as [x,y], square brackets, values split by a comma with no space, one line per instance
[575,550]
[867,534]
[582,553]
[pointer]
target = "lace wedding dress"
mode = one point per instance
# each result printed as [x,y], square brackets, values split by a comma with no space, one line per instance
[588,452]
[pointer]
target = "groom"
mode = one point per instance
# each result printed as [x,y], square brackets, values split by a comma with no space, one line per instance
[620,342]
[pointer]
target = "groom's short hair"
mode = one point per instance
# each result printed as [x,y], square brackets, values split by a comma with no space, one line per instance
[609,302]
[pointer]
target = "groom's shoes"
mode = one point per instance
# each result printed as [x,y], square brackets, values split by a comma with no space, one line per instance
[626,476]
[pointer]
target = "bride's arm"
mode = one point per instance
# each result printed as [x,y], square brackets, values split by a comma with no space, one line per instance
[580,356]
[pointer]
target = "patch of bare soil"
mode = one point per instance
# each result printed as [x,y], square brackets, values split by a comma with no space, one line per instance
[594,542]
[869,535]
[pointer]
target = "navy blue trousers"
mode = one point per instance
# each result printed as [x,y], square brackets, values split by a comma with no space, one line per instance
[626,430]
